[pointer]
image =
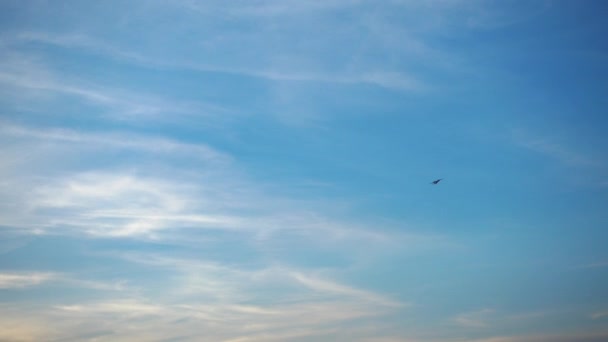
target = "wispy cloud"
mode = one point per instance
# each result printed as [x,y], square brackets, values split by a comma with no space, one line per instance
[600,264]
[123,205]
[374,33]
[21,280]
[120,307]
[554,150]
[267,8]
[134,319]
[208,194]
[230,281]
[474,319]
[334,288]
[116,140]
[110,203]
[599,315]
[128,199]
[131,220]
[377,76]
[30,79]
[220,303]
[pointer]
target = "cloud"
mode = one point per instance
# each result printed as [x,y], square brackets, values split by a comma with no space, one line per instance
[267,8]
[73,41]
[373,47]
[116,140]
[178,240]
[334,288]
[220,302]
[22,280]
[120,201]
[161,184]
[111,204]
[29,81]
[199,300]
[599,315]
[369,46]
[265,302]
[474,319]
[389,79]
[207,277]
[553,150]
[129,319]
[117,307]
[596,265]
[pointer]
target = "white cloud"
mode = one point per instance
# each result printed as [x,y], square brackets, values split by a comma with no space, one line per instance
[333,288]
[130,188]
[127,307]
[24,279]
[110,204]
[21,280]
[135,318]
[146,192]
[212,277]
[218,303]
[264,298]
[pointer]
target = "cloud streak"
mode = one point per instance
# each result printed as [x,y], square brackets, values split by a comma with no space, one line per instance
[474,319]
[22,280]
[31,81]
[380,77]
[116,140]
[131,200]
[554,150]
[217,303]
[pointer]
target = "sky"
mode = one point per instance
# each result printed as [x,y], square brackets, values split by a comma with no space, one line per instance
[259,170]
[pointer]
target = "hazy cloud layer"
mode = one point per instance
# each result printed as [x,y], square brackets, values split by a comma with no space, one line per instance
[259,171]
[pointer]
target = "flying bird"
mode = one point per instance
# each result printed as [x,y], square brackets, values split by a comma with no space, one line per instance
[436,181]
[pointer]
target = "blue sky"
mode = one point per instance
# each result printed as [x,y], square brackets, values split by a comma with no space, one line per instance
[259,170]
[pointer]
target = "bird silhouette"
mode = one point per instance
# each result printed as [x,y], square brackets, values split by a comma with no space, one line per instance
[436,181]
